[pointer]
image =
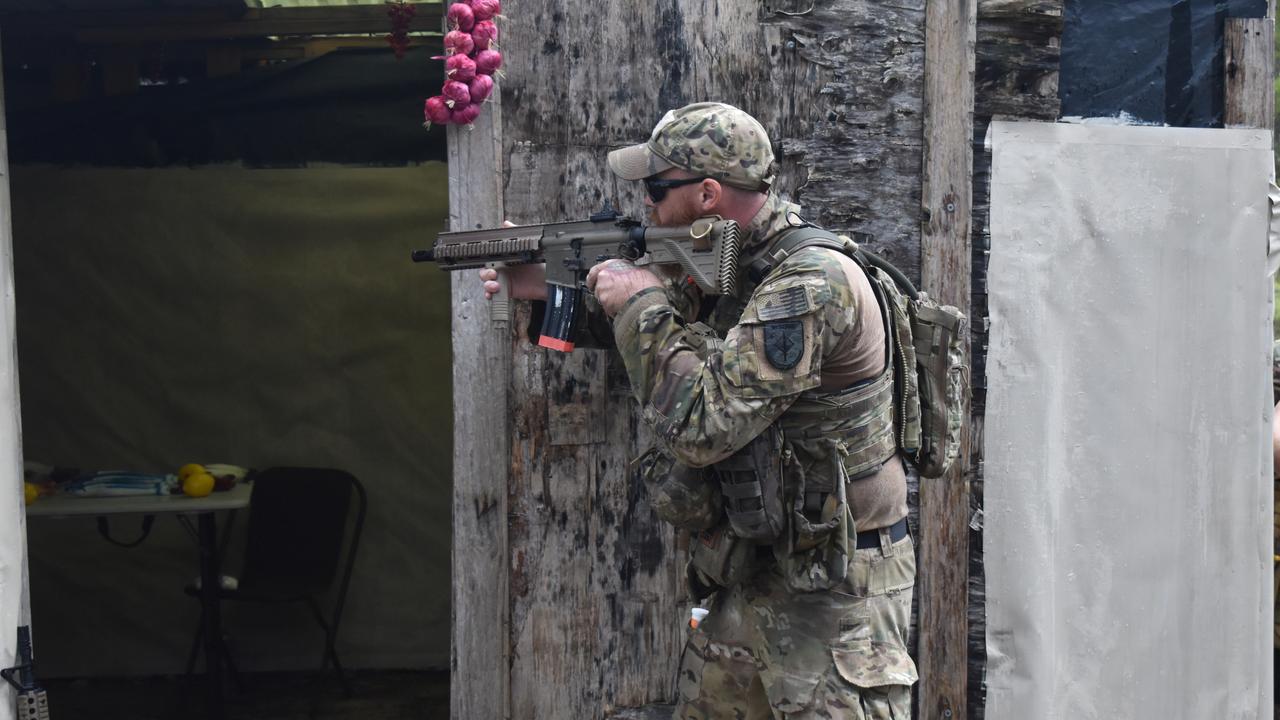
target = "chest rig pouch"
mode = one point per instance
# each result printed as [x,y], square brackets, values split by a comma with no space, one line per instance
[751,484]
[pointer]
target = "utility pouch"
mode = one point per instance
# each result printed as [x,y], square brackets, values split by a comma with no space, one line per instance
[750,482]
[938,335]
[814,553]
[720,558]
[683,496]
[931,372]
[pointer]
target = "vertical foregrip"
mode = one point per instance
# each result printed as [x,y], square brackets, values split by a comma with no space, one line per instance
[500,303]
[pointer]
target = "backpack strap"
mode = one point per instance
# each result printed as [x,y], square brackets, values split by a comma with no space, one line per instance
[793,240]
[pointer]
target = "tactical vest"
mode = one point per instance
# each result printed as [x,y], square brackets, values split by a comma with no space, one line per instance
[787,487]
[825,438]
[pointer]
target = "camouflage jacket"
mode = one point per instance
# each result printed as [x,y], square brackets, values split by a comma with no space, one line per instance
[708,395]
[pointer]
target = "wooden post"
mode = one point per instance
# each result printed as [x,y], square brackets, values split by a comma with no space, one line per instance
[942,584]
[1249,45]
[595,587]
[479,684]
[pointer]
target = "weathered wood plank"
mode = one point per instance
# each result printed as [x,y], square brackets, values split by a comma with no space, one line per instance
[597,596]
[479,679]
[1016,76]
[1249,48]
[950,34]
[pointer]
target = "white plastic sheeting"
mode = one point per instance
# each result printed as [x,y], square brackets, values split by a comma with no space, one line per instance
[14,608]
[1127,485]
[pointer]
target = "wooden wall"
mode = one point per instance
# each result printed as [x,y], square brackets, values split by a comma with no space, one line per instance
[591,596]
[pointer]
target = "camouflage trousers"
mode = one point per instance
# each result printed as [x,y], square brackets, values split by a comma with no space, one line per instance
[766,652]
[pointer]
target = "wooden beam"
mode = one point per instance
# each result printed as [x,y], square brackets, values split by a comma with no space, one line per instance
[482,359]
[950,28]
[135,26]
[1249,48]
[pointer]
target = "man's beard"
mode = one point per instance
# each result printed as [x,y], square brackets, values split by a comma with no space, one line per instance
[683,214]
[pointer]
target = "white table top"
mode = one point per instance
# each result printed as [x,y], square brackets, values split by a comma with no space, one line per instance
[72,505]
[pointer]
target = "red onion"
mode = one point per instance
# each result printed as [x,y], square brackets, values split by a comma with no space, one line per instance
[436,111]
[457,41]
[480,87]
[456,94]
[484,33]
[465,114]
[488,61]
[485,9]
[460,67]
[461,16]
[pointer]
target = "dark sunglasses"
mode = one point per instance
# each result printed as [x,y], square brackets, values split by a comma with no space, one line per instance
[657,188]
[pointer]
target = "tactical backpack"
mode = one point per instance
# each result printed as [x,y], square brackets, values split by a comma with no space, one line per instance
[931,373]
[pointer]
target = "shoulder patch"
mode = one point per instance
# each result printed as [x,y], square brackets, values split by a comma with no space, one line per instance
[785,303]
[784,343]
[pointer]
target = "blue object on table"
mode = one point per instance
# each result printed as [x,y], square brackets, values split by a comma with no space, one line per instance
[113,483]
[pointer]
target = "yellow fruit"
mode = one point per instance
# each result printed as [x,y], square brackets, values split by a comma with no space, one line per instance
[188,470]
[30,492]
[198,485]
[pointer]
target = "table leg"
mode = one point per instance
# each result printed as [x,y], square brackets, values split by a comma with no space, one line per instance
[210,584]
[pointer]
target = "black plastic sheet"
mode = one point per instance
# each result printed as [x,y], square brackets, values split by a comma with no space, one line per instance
[1159,61]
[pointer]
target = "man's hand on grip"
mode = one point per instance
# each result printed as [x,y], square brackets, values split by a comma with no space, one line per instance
[615,281]
[527,282]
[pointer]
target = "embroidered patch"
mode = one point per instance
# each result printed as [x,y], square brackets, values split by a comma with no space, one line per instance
[786,303]
[784,343]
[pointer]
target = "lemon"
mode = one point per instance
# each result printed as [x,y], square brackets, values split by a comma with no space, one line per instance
[188,470]
[198,485]
[30,492]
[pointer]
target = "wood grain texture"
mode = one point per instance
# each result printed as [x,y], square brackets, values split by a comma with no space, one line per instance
[1249,48]
[479,686]
[596,582]
[1016,77]
[942,584]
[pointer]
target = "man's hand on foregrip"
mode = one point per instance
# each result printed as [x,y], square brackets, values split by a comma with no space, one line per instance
[615,281]
[527,282]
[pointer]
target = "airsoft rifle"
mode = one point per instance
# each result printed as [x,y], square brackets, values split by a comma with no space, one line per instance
[707,251]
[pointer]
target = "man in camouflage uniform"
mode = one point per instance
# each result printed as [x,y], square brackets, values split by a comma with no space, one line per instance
[816,625]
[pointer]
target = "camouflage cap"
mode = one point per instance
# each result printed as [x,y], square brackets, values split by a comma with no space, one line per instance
[712,139]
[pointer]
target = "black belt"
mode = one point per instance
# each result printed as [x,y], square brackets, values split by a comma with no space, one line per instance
[871,538]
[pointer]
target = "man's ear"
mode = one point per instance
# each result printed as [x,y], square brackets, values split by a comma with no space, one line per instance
[710,193]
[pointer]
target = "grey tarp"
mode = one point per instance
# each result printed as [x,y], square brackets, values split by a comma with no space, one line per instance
[1128,490]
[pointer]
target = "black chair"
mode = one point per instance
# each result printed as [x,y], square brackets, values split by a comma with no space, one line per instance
[301,537]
